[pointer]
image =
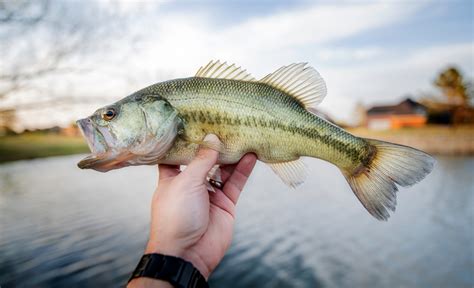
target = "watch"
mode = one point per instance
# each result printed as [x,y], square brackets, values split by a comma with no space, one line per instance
[178,272]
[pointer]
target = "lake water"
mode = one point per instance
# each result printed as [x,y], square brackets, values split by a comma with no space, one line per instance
[65,227]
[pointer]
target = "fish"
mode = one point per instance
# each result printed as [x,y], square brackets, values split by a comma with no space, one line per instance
[273,117]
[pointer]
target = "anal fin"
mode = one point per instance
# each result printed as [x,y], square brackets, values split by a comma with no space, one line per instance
[292,173]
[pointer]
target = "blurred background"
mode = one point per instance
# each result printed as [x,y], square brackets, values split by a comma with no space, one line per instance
[400,71]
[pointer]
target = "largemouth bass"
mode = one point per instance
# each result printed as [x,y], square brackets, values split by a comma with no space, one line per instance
[165,123]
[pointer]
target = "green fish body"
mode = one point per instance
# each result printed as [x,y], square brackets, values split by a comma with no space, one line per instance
[254,117]
[272,117]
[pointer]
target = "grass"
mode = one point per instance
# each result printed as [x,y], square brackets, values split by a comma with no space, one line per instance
[37,145]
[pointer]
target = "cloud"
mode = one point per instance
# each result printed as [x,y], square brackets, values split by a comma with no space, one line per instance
[317,24]
[123,7]
[347,54]
[179,41]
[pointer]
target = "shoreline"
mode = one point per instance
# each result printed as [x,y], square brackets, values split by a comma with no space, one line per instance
[436,140]
[39,145]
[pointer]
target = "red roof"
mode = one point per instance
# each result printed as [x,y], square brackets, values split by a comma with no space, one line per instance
[406,107]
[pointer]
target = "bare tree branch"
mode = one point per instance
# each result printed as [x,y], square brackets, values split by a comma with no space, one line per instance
[39,39]
[23,12]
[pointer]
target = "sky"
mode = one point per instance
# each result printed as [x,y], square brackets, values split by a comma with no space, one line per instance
[368,52]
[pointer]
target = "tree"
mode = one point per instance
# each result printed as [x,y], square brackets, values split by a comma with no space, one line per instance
[459,94]
[454,87]
[7,121]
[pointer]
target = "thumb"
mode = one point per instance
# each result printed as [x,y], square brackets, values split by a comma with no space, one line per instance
[205,158]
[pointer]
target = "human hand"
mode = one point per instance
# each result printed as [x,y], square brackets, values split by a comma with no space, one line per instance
[190,222]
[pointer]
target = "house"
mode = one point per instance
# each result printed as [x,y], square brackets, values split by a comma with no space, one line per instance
[407,113]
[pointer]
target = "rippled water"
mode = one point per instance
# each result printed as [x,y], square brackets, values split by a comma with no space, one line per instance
[65,227]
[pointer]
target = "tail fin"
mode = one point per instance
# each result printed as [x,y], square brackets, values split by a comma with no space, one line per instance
[391,164]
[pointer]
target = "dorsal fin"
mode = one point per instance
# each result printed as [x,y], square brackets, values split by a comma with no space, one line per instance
[222,70]
[299,81]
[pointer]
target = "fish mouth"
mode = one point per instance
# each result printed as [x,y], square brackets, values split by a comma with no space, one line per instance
[97,143]
[103,157]
[95,140]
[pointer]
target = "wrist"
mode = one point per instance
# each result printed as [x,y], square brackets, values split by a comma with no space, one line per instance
[174,270]
[187,255]
[144,282]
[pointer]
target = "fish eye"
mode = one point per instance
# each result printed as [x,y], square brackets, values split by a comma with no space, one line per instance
[109,114]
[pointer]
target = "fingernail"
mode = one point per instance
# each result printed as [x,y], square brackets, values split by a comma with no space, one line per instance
[247,159]
[211,138]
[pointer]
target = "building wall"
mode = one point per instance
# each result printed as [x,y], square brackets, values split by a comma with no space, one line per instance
[384,122]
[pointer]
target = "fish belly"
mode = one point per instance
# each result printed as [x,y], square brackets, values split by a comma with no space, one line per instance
[269,146]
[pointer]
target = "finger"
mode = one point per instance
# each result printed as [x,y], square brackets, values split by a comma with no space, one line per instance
[236,182]
[220,200]
[226,171]
[205,159]
[167,171]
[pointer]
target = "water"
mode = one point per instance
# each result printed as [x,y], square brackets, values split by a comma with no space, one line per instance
[65,227]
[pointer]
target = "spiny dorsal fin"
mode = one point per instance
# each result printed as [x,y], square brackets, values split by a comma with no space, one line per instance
[293,173]
[222,70]
[299,81]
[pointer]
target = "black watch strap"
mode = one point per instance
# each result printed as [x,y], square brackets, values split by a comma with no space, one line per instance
[180,273]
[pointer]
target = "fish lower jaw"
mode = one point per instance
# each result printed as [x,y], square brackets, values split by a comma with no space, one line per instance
[106,161]
[94,159]
[89,161]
